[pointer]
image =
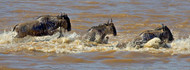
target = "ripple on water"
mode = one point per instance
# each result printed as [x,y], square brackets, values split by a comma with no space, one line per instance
[85,7]
[118,62]
[101,57]
[70,59]
[90,2]
[188,60]
[8,68]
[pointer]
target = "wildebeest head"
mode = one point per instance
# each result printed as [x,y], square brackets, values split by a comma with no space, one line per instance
[64,17]
[166,35]
[111,27]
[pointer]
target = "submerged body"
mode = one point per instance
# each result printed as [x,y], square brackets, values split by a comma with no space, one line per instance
[44,25]
[163,33]
[98,33]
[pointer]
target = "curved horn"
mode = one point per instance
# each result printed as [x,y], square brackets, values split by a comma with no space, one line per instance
[15,27]
[162,25]
[111,20]
[61,14]
[108,21]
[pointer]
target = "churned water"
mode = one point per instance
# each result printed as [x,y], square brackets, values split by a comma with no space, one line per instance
[71,53]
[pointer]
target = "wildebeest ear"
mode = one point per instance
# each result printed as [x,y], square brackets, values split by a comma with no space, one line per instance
[162,25]
[165,28]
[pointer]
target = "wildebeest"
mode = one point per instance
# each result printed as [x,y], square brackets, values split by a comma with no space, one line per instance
[163,33]
[43,25]
[98,33]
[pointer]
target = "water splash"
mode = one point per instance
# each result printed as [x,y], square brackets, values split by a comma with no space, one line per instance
[181,46]
[71,43]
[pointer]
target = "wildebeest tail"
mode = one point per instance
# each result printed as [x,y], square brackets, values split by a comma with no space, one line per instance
[15,27]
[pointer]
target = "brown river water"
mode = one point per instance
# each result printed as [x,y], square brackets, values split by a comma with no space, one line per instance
[71,53]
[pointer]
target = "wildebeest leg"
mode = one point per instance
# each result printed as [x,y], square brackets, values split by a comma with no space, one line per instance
[145,37]
[51,32]
[106,40]
[61,33]
[101,38]
[164,45]
[138,42]
[91,36]
[20,35]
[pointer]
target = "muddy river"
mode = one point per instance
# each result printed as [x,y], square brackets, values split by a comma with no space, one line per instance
[130,17]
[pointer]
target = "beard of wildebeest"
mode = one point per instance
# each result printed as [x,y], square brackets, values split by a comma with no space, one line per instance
[113,29]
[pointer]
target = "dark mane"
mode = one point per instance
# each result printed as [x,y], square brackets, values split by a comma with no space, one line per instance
[46,17]
[100,25]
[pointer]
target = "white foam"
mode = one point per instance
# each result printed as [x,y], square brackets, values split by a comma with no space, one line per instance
[181,46]
[71,43]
